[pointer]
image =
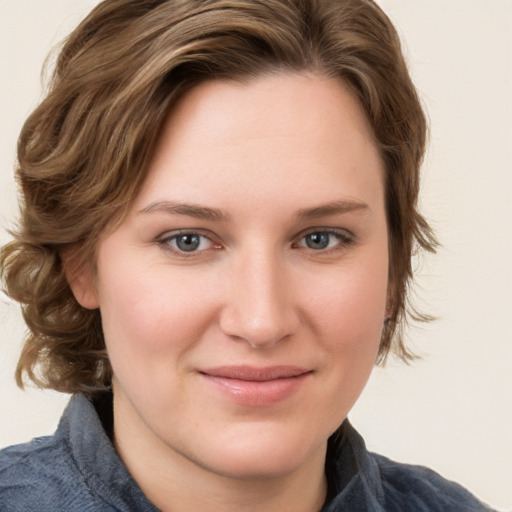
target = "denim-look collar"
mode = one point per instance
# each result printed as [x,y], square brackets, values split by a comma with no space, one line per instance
[93,452]
[354,479]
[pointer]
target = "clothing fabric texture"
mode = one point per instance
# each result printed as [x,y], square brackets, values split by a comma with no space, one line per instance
[78,469]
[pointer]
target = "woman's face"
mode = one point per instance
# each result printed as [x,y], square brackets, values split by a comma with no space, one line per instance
[243,297]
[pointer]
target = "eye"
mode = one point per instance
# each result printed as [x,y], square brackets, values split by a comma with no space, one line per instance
[324,240]
[186,242]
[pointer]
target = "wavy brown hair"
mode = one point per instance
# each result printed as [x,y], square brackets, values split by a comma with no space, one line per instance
[84,152]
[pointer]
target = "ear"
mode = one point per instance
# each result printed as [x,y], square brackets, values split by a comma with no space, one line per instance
[80,279]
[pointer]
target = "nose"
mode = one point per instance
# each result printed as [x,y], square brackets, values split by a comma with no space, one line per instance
[260,307]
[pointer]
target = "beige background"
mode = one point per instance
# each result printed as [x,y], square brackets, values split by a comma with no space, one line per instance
[453,410]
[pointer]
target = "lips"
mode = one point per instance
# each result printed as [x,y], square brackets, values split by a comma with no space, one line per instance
[255,386]
[250,373]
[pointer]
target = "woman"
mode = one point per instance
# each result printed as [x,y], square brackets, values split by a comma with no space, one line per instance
[219,212]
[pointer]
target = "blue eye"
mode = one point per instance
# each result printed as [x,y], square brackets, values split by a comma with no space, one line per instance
[324,240]
[318,240]
[189,242]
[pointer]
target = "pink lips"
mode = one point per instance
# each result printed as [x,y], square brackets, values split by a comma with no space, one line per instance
[253,386]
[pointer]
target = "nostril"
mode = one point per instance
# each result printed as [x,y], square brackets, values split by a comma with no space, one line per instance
[260,332]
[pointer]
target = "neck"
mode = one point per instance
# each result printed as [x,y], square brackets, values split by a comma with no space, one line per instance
[187,491]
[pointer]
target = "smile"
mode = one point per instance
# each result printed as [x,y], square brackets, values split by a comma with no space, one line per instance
[252,386]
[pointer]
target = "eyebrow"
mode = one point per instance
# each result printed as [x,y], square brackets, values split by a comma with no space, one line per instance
[190,210]
[331,209]
[213,214]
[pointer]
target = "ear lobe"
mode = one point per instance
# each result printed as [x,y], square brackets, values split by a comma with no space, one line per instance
[80,279]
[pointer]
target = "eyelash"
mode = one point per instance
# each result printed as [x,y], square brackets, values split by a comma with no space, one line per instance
[344,237]
[166,240]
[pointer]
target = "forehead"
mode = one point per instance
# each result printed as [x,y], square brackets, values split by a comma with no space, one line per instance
[297,132]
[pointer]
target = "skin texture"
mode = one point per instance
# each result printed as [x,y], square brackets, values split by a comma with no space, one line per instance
[277,158]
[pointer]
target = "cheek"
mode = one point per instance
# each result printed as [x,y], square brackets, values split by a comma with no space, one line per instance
[349,319]
[351,328]
[353,331]
[148,326]
[351,308]
[149,311]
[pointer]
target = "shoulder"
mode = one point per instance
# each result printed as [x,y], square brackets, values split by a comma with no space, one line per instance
[75,469]
[409,487]
[42,475]
[19,464]
[360,480]
[35,475]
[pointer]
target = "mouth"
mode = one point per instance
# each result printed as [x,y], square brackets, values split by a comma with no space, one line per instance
[256,386]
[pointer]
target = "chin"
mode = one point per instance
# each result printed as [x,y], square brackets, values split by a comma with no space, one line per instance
[260,466]
[261,455]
